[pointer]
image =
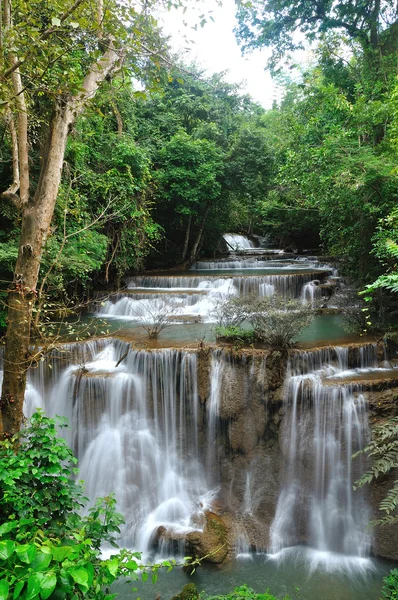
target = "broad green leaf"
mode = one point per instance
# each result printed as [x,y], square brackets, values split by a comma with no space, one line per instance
[79,575]
[33,589]
[9,526]
[41,561]
[4,587]
[6,549]
[18,589]
[55,22]
[60,553]
[112,566]
[26,553]
[48,581]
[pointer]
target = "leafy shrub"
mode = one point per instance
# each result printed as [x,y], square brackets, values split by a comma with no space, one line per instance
[390,587]
[235,333]
[243,593]
[383,451]
[47,549]
[275,322]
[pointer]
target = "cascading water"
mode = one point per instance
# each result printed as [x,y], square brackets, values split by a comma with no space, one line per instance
[134,429]
[326,424]
[238,242]
[311,292]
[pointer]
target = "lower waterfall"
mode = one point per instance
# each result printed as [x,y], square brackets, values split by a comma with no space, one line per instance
[134,428]
[176,433]
[325,425]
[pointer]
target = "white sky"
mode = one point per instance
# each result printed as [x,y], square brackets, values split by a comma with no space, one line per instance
[215,47]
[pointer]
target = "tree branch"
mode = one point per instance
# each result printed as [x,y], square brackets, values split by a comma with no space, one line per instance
[46,34]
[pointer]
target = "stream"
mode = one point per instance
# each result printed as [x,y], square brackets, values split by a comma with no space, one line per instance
[179,434]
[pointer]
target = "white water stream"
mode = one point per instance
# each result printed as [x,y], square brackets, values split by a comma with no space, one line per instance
[141,432]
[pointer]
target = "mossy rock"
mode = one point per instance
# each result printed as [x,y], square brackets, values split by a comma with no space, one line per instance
[188,592]
[213,543]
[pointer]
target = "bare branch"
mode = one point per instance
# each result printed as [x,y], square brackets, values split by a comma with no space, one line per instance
[11,192]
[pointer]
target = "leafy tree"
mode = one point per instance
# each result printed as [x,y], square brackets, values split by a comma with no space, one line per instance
[276,322]
[383,451]
[53,62]
[249,168]
[276,23]
[188,178]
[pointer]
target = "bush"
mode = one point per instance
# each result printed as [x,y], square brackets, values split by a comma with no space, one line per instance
[243,593]
[47,549]
[235,334]
[390,587]
[275,322]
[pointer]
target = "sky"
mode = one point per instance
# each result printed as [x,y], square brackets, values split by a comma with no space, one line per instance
[215,47]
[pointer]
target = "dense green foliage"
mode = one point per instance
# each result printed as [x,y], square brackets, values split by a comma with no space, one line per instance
[390,586]
[383,450]
[244,593]
[47,548]
[154,178]
[273,321]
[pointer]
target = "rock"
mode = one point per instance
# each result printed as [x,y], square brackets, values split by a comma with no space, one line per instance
[188,592]
[213,544]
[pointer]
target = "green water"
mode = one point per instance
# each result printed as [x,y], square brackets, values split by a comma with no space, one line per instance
[323,328]
[261,574]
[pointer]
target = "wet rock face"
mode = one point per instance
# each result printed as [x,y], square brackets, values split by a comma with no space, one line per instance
[253,434]
[250,457]
[383,404]
[385,538]
[215,542]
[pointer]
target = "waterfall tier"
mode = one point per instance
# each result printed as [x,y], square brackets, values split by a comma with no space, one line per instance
[175,433]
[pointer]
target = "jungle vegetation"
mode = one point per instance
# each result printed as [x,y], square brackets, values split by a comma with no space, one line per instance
[116,157]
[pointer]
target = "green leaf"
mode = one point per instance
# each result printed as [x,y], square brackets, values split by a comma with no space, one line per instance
[112,566]
[6,549]
[4,587]
[144,576]
[26,553]
[18,589]
[55,22]
[48,581]
[79,575]
[41,561]
[33,589]
[9,526]
[60,553]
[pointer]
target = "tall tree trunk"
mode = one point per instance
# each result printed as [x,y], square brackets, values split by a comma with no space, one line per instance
[198,239]
[186,240]
[36,220]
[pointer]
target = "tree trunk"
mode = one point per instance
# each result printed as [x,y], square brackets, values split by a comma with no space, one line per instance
[36,220]
[198,240]
[186,241]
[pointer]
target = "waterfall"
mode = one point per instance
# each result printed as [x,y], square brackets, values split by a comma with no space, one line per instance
[213,407]
[237,242]
[310,293]
[326,424]
[135,431]
[289,286]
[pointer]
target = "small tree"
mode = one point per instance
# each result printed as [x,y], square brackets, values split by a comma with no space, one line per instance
[155,315]
[276,322]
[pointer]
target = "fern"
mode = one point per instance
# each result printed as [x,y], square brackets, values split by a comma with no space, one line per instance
[383,450]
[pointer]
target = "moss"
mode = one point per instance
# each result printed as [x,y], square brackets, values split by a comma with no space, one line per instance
[188,592]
